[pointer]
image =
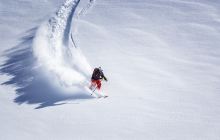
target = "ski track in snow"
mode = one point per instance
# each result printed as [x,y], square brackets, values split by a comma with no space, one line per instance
[59,59]
[85,9]
[45,66]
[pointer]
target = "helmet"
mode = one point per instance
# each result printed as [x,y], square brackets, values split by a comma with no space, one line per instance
[100,69]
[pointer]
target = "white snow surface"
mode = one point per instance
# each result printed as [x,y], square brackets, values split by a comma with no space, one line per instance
[161,58]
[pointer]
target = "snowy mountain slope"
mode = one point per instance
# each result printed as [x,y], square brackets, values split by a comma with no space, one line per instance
[161,59]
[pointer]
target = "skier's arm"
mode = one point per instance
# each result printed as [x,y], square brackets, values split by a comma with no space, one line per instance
[103,77]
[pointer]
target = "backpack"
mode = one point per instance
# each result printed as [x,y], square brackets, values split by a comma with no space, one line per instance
[96,74]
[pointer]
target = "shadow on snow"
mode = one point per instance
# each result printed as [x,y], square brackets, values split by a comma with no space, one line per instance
[31,88]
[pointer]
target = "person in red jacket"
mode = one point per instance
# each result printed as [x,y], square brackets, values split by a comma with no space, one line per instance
[96,79]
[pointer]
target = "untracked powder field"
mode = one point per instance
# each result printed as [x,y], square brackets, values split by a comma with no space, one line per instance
[160,58]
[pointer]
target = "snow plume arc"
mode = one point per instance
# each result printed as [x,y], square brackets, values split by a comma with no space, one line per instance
[58,58]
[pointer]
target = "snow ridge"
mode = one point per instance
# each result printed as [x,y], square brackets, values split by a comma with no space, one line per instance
[85,9]
[58,59]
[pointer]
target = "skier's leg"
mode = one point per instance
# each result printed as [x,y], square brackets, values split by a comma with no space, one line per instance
[99,84]
[93,84]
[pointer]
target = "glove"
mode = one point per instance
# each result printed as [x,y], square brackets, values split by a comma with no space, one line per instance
[105,79]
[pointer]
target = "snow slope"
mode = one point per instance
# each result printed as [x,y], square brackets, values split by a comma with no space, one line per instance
[162,59]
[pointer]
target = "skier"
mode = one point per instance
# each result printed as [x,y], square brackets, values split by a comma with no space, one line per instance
[97,77]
